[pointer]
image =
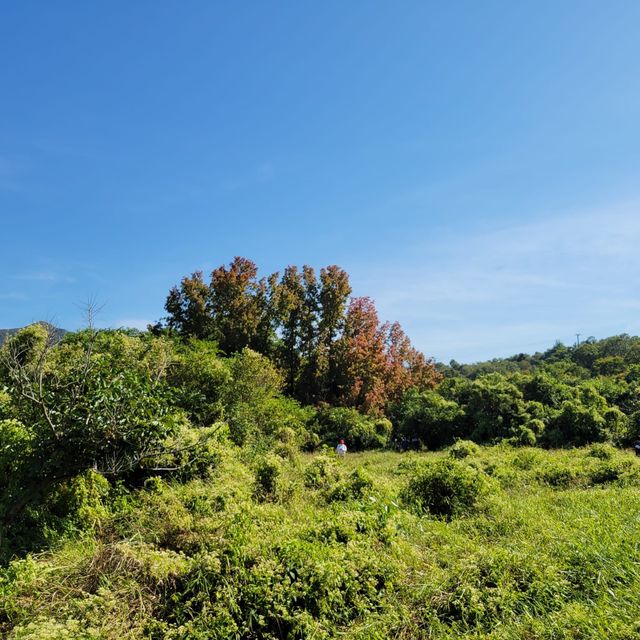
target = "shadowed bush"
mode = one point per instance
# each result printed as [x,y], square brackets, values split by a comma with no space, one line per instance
[463,449]
[446,488]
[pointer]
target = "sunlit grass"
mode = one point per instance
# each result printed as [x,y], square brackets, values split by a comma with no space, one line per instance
[551,552]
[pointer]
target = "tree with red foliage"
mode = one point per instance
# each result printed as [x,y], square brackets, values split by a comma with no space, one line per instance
[377,363]
[330,349]
[405,366]
[361,358]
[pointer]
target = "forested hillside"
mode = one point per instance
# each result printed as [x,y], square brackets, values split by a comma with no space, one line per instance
[56,333]
[181,482]
[590,358]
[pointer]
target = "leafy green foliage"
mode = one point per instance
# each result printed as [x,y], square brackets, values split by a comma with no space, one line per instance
[198,377]
[321,473]
[342,558]
[268,470]
[429,416]
[162,479]
[358,431]
[253,405]
[446,488]
[94,401]
[463,449]
[330,349]
[354,487]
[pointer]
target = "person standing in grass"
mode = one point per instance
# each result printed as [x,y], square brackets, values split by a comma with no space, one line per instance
[341,449]
[636,446]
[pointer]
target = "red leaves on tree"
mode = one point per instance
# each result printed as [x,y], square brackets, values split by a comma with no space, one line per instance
[330,349]
[378,361]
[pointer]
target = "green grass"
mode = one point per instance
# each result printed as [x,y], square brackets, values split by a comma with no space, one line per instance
[336,549]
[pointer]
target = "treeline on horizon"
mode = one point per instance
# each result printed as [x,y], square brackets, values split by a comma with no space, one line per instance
[276,364]
[332,349]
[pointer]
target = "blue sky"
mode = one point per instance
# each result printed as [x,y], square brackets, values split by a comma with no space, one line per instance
[473,165]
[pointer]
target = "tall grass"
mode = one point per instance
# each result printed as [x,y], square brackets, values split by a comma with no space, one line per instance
[318,548]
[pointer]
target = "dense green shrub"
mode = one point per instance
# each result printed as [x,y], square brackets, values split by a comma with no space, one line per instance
[495,407]
[428,416]
[524,436]
[193,452]
[607,471]
[268,471]
[46,629]
[587,419]
[559,476]
[446,488]
[251,398]
[463,449]
[526,459]
[322,473]
[355,486]
[6,409]
[603,451]
[486,585]
[96,401]
[358,431]
[298,590]
[198,376]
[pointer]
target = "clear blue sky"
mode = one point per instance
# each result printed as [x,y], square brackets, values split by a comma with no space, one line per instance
[474,165]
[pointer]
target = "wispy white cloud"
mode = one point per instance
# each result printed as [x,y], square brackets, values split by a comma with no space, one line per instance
[10,170]
[13,295]
[264,173]
[45,276]
[501,291]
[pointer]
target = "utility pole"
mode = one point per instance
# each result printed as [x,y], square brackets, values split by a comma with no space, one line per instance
[578,339]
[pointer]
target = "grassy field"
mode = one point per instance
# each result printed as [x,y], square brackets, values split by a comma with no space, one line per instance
[537,544]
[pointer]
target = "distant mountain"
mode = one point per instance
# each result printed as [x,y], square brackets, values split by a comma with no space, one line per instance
[57,332]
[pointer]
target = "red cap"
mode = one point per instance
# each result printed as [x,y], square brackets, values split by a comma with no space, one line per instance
[341,441]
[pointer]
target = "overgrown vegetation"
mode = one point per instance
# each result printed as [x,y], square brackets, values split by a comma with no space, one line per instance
[181,482]
[506,543]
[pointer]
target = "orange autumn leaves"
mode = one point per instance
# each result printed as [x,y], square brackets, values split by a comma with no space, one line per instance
[331,347]
[379,364]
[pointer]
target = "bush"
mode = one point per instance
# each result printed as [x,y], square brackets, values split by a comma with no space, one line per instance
[602,451]
[45,629]
[359,431]
[199,376]
[606,472]
[524,437]
[428,416]
[526,459]
[98,401]
[463,449]
[446,488]
[193,452]
[268,472]
[587,419]
[495,407]
[559,476]
[251,398]
[354,487]
[6,409]
[322,473]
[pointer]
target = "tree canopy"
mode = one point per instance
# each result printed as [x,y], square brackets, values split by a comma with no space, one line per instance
[330,347]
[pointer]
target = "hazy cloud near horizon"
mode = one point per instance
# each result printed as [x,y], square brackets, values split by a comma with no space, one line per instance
[497,293]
